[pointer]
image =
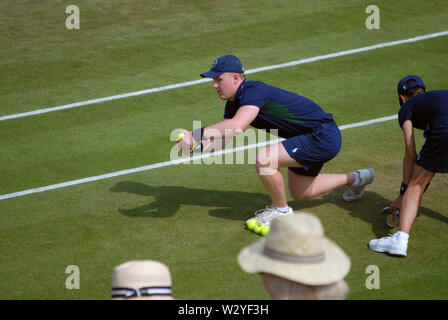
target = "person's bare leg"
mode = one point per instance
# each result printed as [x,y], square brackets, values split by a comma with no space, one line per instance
[397,243]
[268,162]
[301,187]
[412,197]
[304,187]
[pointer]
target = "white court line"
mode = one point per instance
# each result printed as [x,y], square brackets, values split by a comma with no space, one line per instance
[173,162]
[191,83]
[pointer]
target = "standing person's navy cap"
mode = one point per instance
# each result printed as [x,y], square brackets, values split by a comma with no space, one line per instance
[227,63]
[407,83]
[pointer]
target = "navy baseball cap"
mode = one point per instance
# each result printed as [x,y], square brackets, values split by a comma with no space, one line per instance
[407,83]
[227,63]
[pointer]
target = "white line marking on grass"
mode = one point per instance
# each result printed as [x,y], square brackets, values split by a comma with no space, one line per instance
[367,122]
[192,83]
[93,101]
[173,162]
[347,52]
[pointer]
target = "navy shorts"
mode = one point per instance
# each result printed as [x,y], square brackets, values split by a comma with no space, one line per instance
[434,154]
[312,150]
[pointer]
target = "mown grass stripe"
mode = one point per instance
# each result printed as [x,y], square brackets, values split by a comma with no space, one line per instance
[172,162]
[195,82]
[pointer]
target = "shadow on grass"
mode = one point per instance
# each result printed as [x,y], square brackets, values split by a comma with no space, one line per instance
[240,205]
[368,209]
[234,205]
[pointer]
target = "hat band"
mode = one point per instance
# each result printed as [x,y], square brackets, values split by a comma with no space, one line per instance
[146,291]
[276,255]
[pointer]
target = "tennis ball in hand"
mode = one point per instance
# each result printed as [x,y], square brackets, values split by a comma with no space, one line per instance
[264,230]
[180,136]
[251,224]
[258,226]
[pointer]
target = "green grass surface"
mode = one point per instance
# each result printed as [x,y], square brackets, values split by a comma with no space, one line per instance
[191,216]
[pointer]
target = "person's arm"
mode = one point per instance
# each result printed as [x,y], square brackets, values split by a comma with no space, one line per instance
[215,137]
[230,127]
[214,144]
[410,157]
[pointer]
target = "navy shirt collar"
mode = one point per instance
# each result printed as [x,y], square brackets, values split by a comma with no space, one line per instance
[240,89]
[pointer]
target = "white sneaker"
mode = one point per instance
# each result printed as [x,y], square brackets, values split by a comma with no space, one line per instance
[391,244]
[366,176]
[265,216]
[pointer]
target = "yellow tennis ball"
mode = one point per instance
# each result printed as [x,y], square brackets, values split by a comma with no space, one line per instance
[258,226]
[180,136]
[251,224]
[264,230]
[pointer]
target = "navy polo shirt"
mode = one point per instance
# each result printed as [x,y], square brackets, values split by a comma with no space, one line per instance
[288,112]
[428,111]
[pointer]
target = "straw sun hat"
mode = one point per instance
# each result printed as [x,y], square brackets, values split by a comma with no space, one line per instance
[296,249]
[141,279]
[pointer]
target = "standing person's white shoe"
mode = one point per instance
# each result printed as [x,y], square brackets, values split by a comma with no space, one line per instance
[396,244]
[356,190]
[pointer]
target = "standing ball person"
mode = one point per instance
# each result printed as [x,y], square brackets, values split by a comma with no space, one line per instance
[312,138]
[427,111]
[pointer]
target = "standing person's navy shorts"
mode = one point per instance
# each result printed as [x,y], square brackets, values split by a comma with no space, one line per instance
[312,150]
[434,154]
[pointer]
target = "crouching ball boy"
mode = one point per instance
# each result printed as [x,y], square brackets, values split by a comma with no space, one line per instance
[312,138]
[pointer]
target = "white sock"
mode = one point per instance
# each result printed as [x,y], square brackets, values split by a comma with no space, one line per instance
[402,235]
[357,179]
[284,209]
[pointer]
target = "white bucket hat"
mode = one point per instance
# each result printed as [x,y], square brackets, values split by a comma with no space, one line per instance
[141,279]
[296,249]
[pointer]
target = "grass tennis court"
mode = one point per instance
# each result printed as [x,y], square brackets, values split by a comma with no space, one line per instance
[191,216]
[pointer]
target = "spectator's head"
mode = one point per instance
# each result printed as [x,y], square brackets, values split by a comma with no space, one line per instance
[297,261]
[144,279]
